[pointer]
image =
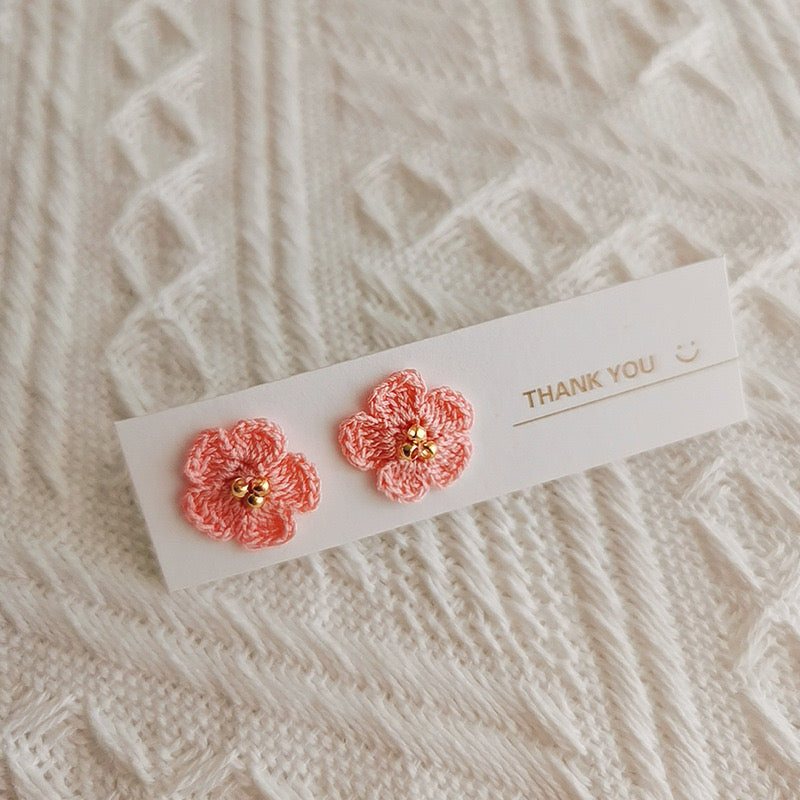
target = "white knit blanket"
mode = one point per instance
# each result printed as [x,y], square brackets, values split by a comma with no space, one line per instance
[200,196]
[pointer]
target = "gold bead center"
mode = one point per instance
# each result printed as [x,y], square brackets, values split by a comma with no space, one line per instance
[417,445]
[252,491]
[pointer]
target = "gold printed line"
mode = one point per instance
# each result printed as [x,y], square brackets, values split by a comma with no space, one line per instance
[626,391]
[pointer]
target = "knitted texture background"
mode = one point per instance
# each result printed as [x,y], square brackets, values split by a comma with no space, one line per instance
[198,197]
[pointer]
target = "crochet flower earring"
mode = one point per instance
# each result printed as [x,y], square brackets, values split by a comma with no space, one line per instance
[413,438]
[245,486]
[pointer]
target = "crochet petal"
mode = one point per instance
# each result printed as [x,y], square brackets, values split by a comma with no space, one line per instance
[366,442]
[209,459]
[405,481]
[256,444]
[294,483]
[451,459]
[221,516]
[445,411]
[398,399]
[268,526]
[214,511]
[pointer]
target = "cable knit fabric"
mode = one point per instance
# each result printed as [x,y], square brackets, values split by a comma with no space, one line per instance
[199,197]
[414,439]
[245,486]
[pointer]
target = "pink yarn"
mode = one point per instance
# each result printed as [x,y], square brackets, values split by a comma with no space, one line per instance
[371,439]
[253,448]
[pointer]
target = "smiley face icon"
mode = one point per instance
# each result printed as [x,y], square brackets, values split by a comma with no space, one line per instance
[687,354]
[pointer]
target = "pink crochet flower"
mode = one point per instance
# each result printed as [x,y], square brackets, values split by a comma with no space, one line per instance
[245,486]
[413,438]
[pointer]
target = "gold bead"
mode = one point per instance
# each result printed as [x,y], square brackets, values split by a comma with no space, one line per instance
[416,434]
[428,449]
[259,487]
[408,451]
[239,488]
[254,501]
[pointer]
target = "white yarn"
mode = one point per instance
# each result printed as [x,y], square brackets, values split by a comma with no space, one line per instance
[197,197]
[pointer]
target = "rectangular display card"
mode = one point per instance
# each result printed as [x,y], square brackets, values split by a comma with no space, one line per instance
[555,390]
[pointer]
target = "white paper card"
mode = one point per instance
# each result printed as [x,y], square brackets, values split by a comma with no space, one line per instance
[555,390]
